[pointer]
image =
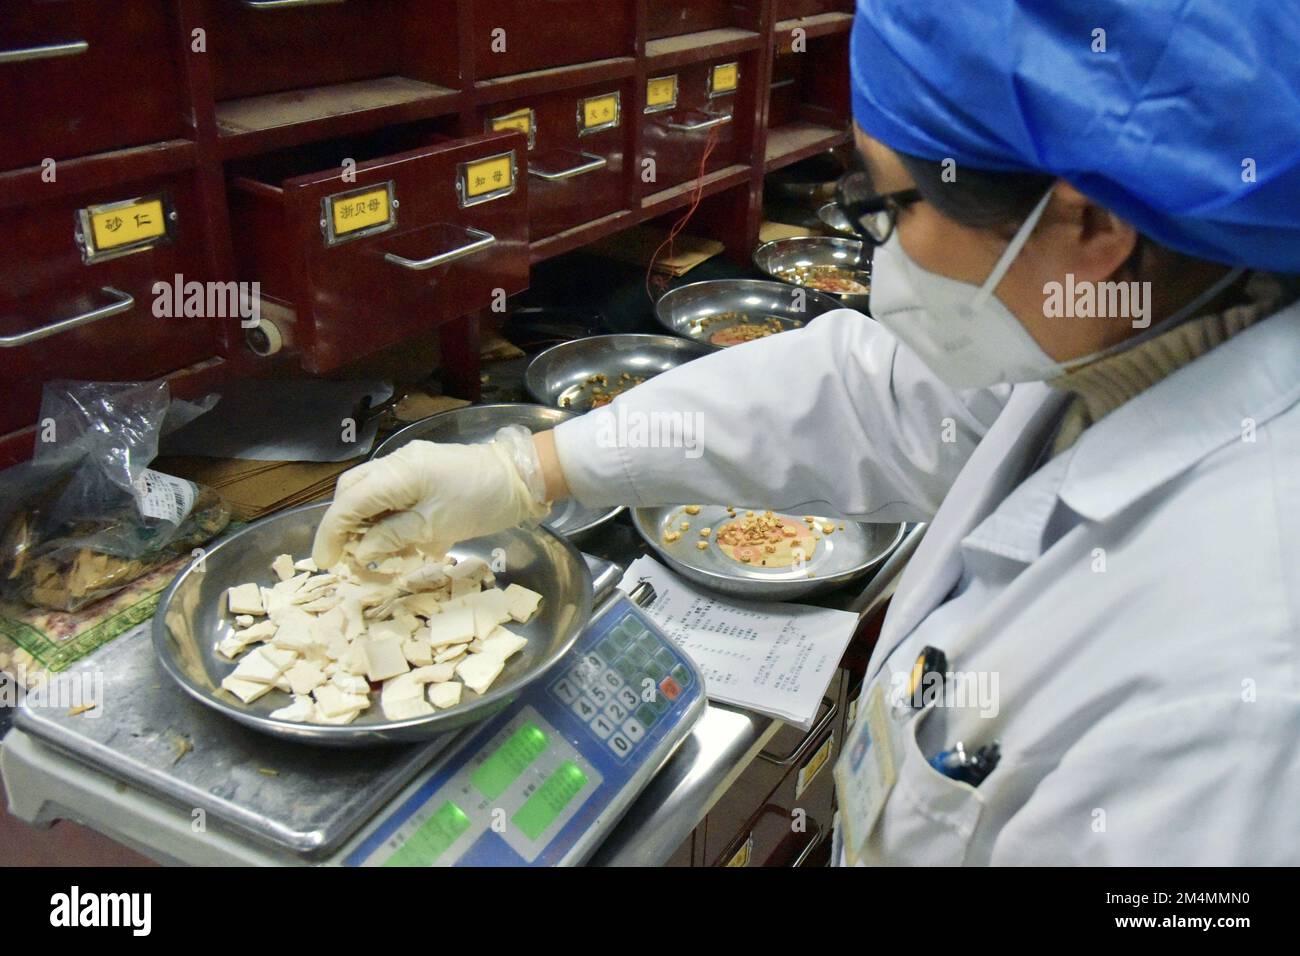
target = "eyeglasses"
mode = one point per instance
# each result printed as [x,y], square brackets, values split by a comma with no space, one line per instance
[871,215]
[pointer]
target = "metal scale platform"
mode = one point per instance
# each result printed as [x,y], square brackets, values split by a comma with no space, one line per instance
[541,782]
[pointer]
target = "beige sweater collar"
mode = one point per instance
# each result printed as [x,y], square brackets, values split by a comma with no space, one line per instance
[1104,385]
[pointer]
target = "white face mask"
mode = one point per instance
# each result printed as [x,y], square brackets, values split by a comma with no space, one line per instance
[963,332]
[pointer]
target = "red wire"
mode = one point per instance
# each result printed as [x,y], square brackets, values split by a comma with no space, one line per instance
[696,195]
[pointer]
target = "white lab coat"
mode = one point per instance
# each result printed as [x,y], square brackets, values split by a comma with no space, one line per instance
[1137,597]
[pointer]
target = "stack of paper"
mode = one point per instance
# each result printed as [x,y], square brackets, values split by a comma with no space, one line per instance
[776,659]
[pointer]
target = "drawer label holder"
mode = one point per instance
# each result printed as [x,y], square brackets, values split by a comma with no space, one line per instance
[366,211]
[115,229]
[660,93]
[724,79]
[524,120]
[482,180]
[596,113]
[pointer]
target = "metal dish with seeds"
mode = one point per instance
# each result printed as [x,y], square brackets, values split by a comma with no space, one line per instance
[801,260]
[563,375]
[701,310]
[837,558]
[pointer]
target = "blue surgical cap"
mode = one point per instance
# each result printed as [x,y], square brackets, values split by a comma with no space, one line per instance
[1181,116]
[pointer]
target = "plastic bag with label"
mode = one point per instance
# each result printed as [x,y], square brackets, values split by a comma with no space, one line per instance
[87,516]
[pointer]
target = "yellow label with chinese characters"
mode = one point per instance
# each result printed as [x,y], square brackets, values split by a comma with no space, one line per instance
[521,120]
[600,111]
[741,857]
[360,210]
[810,770]
[128,224]
[661,91]
[725,77]
[489,175]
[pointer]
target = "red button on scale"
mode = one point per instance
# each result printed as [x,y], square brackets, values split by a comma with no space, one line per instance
[672,690]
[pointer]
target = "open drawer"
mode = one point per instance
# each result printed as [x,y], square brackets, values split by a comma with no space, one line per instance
[91,290]
[285,62]
[368,257]
[684,108]
[519,36]
[808,100]
[576,143]
[77,79]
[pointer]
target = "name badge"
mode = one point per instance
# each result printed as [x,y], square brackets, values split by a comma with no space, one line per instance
[865,773]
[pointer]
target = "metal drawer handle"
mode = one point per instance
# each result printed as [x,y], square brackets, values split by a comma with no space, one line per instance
[50,52]
[481,241]
[706,124]
[806,742]
[286,4]
[816,841]
[123,304]
[593,163]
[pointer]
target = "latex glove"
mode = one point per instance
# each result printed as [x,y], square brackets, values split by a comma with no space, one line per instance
[429,496]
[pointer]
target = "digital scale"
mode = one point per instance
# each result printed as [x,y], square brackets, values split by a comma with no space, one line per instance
[540,783]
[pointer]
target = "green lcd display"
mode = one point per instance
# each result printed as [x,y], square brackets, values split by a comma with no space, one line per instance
[432,838]
[540,810]
[501,769]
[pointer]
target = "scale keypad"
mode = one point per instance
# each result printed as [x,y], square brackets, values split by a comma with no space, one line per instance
[607,687]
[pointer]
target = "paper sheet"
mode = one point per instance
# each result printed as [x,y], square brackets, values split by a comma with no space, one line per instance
[777,659]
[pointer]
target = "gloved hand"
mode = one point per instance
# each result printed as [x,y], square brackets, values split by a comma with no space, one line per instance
[430,496]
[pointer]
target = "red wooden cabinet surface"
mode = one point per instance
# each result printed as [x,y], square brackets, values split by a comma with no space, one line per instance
[575,171]
[47,282]
[674,138]
[517,36]
[80,77]
[444,255]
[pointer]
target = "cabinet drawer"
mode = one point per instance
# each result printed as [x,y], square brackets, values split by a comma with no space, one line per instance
[796,817]
[516,36]
[85,76]
[358,281]
[126,331]
[575,159]
[675,136]
[775,771]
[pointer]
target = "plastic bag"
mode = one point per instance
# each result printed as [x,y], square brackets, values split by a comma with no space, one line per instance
[87,516]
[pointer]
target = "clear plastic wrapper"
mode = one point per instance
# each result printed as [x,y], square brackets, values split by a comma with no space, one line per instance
[87,516]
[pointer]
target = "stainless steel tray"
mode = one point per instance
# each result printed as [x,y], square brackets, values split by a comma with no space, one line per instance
[837,559]
[475,424]
[191,621]
[778,257]
[560,374]
[689,310]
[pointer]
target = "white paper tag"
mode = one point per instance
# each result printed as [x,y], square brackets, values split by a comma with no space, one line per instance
[164,496]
